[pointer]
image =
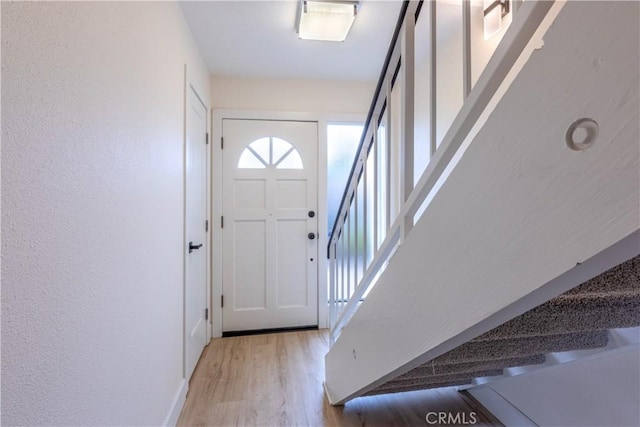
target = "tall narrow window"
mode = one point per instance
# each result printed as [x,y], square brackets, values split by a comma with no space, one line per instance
[342,144]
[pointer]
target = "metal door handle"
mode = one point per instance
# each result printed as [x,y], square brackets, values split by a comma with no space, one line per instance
[193,247]
[311,236]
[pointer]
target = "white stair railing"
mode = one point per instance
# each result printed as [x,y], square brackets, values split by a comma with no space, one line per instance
[439,76]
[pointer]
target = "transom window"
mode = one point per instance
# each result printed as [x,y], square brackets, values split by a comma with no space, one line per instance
[270,151]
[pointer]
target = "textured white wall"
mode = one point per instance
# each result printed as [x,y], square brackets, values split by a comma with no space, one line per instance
[92,218]
[600,390]
[311,96]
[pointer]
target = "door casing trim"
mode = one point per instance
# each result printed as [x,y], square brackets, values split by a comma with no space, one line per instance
[190,84]
[322,119]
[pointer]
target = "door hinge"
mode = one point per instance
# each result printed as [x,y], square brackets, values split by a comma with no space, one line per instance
[207,140]
[221,222]
[206,314]
[222,301]
[221,143]
[206,226]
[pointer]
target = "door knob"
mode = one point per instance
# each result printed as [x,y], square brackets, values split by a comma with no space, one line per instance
[311,236]
[193,247]
[312,214]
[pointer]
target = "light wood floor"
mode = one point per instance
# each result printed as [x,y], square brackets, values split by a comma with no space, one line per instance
[276,380]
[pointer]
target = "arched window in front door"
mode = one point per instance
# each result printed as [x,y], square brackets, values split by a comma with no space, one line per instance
[270,151]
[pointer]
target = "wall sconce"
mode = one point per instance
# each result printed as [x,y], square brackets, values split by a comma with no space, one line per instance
[494,12]
[326,20]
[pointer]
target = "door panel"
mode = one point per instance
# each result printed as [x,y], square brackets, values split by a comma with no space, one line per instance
[292,194]
[249,194]
[269,261]
[196,214]
[249,292]
[291,263]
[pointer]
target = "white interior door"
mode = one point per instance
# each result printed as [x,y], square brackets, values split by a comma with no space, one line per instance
[270,250]
[195,246]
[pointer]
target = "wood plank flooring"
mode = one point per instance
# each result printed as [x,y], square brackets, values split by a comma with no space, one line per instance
[276,380]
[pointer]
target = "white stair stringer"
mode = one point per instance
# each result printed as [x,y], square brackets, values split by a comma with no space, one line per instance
[521,218]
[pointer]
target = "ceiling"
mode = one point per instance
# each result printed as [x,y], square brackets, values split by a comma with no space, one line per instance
[258,39]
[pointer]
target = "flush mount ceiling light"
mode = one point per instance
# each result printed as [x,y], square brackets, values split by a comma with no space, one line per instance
[326,20]
[494,11]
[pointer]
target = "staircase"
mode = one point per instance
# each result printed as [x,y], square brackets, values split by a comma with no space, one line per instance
[511,243]
[576,320]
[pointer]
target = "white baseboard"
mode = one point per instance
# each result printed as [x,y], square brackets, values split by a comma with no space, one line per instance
[176,406]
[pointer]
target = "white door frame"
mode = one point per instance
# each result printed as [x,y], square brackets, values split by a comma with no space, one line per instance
[190,84]
[323,119]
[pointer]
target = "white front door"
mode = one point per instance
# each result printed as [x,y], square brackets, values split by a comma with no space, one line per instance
[195,317]
[270,250]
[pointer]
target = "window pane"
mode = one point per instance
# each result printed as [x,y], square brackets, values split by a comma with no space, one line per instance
[279,149]
[248,160]
[342,144]
[261,147]
[291,161]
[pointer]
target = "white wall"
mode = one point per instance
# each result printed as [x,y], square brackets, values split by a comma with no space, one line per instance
[600,390]
[268,94]
[92,219]
[449,71]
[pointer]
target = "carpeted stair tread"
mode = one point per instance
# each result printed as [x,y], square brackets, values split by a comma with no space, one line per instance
[617,312]
[610,300]
[609,297]
[477,352]
[576,320]
[418,387]
[524,346]
[430,370]
[439,379]
[621,277]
